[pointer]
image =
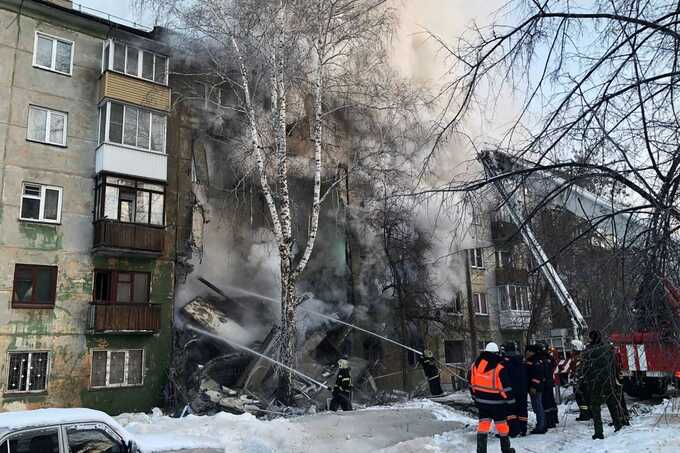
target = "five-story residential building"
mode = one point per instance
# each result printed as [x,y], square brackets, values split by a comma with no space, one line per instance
[86,210]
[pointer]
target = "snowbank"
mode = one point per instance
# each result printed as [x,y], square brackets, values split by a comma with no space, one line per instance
[232,433]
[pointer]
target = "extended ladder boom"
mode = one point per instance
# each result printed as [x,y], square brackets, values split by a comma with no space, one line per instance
[579,324]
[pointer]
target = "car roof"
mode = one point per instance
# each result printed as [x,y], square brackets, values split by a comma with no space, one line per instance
[10,421]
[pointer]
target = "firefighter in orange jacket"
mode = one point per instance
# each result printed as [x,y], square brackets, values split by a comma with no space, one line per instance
[491,391]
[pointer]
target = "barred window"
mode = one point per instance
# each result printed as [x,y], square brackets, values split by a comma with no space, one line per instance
[27,372]
[120,368]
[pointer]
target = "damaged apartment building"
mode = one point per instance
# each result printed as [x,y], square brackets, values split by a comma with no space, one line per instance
[125,215]
[88,189]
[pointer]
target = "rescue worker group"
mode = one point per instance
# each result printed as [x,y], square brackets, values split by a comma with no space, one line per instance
[502,382]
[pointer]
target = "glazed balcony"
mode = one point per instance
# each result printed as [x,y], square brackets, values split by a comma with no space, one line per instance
[124,318]
[510,275]
[113,238]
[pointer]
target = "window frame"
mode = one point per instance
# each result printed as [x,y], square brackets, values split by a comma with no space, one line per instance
[29,353]
[100,188]
[106,106]
[477,298]
[475,253]
[53,290]
[41,211]
[108,65]
[108,368]
[55,40]
[91,426]
[48,122]
[113,286]
[521,294]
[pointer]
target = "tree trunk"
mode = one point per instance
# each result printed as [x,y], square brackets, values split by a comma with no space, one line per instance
[288,339]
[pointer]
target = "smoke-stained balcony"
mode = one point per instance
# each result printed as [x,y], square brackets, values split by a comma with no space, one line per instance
[124,318]
[113,238]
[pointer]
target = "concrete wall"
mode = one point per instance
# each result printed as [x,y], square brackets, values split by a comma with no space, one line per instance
[62,330]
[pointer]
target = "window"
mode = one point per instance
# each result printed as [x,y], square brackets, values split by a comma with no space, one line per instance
[86,438]
[44,440]
[40,203]
[135,62]
[117,368]
[27,372]
[476,258]
[456,305]
[121,287]
[47,126]
[34,286]
[129,200]
[514,297]
[132,126]
[479,300]
[53,54]
[454,352]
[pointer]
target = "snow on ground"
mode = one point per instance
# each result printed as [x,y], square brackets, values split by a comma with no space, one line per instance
[415,426]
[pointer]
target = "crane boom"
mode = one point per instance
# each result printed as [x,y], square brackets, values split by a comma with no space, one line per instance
[579,324]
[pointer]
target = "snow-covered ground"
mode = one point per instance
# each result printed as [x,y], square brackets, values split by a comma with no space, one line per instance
[417,426]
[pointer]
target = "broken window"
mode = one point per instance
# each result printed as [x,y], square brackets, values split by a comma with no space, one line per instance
[34,286]
[121,287]
[40,203]
[454,352]
[53,54]
[129,200]
[44,440]
[27,372]
[92,438]
[46,126]
[119,368]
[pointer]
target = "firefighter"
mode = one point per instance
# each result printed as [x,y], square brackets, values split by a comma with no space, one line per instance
[548,396]
[492,393]
[429,365]
[536,383]
[575,373]
[517,370]
[598,382]
[342,390]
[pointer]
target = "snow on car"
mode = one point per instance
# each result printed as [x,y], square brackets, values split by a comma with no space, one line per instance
[63,431]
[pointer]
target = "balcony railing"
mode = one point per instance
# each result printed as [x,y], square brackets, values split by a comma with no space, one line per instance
[124,318]
[514,319]
[505,276]
[127,239]
[502,231]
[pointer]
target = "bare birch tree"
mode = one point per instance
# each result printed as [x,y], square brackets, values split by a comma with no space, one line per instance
[289,64]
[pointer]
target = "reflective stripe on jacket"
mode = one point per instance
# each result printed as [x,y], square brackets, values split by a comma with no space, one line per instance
[489,382]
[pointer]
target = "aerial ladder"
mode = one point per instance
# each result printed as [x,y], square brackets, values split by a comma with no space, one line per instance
[648,364]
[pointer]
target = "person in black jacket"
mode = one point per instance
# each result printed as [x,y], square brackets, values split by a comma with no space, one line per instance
[517,370]
[342,390]
[549,404]
[536,380]
[431,370]
[491,391]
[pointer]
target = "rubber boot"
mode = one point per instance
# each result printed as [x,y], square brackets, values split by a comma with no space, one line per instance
[481,442]
[505,445]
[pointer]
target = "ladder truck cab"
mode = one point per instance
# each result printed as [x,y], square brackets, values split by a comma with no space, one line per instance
[648,363]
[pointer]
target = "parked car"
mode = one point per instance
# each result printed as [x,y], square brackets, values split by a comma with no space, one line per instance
[63,431]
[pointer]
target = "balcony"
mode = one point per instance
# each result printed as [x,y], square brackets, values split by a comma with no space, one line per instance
[514,319]
[125,160]
[136,91]
[509,276]
[122,318]
[503,231]
[127,239]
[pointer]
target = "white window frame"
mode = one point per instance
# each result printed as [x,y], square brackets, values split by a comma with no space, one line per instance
[140,62]
[107,126]
[41,216]
[28,371]
[53,64]
[108,368]
[521,292]
[477,300]
[48,121]
[474,254]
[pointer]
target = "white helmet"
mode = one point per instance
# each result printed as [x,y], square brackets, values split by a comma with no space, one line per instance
[491,347]
[577,345]
[343,364]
